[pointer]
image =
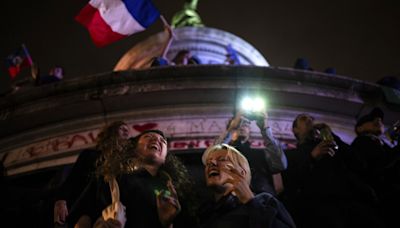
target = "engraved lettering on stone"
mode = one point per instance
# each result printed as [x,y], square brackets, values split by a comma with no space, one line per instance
[214,127]
[196,127]
[171,129]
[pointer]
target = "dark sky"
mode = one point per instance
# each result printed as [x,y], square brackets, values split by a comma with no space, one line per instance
[361,39]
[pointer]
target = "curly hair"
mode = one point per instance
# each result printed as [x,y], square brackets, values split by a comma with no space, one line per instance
[173,169]
[173,166]
[181,180]
[112,148]
[178,172]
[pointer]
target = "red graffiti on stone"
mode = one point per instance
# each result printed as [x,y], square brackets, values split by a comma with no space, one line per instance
[60,144]
[208,143]
[92,137]
[190,144]
[144,127]
[179,145]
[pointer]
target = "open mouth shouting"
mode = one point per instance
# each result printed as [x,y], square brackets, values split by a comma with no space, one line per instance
[213,173]
[154,146]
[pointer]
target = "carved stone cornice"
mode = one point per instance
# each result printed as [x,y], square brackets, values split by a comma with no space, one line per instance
[190,103]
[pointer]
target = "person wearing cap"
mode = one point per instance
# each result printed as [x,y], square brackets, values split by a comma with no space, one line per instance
[228,176]
[154,185]
[267,163]
[320,190]
[377,163]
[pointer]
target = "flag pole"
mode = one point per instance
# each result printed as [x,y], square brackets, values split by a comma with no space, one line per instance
[171,35]
[34,68]
[166,24]
[164,21]
[28,56]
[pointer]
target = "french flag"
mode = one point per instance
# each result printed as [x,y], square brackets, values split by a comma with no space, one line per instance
[111,20]
[18,60]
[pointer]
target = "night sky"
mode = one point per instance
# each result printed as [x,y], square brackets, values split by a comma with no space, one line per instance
[361,39]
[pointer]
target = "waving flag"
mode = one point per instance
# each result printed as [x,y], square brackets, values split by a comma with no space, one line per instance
[111,20]
[17,60]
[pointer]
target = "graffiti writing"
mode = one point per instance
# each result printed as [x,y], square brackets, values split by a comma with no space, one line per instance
[198,131]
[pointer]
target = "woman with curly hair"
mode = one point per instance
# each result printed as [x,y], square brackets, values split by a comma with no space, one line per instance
[111,138]
[112,142]
[171,171]
[153,184]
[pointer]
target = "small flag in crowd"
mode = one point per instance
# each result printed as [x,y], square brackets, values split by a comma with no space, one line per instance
[111,20]
[17,60]
[232,56]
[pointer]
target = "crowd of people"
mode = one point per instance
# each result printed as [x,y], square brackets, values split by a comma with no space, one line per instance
[184,56]
[36,78]
[131,181]
[329,183]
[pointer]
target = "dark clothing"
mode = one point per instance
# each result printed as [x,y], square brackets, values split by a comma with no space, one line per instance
[159,61]
[261,175]
[79,176]
[312,184]
[336,213]
[137,193]
[47,79]
[376,163]
[311,178]
[263,162]
[378,166]
[262,211]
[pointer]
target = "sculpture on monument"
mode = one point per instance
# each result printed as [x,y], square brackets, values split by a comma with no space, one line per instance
[187,16]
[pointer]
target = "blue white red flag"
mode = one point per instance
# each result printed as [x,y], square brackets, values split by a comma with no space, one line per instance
[111,20]
[17,60]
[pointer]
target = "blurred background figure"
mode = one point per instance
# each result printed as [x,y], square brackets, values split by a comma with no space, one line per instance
[302,64]
[265,162]
[320,190]
[390,81]
[182,57]
[232,57]
[330,70]
[377,163]
[55,74]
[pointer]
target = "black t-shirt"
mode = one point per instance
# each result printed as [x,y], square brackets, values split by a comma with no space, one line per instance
[262,211]
[137,194]
[79,176]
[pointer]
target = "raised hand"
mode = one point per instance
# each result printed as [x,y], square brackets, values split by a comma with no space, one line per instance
[260,120]
[60,211]
[235,122]
[324,147]
[240,186]
[168,206]
[115,211]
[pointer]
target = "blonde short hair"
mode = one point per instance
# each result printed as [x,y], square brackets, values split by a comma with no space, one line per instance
[234,155]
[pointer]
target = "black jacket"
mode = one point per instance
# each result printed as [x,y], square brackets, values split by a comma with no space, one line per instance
[262,211]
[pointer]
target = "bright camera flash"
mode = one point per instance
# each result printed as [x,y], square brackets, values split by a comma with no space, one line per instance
[253,105]
[246,104]
[258,105]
